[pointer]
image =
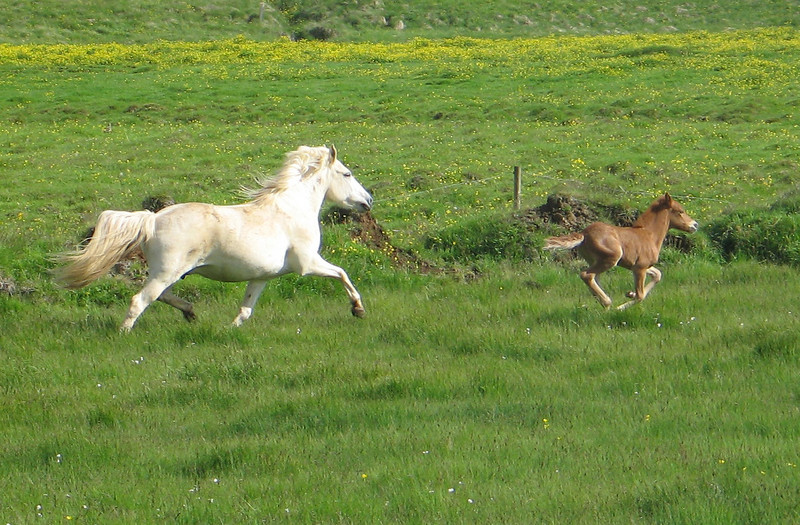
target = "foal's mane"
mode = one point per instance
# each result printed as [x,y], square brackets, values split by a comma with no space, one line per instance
[664,202]
[299,165]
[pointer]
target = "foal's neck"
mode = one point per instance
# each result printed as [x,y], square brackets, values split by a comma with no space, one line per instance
[655,221]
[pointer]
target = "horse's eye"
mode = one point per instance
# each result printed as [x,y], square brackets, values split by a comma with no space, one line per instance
[348,174]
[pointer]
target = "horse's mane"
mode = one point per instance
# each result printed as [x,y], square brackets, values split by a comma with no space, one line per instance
[664,202]
[299,165]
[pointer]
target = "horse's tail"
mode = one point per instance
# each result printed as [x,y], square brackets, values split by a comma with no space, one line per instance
[565,242]
[116,236]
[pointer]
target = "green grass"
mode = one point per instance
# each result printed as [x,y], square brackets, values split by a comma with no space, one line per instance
[497,391]
[524,399]
[50,21]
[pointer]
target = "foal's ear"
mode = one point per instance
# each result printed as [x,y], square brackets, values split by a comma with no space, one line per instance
[667,198]
[332,151]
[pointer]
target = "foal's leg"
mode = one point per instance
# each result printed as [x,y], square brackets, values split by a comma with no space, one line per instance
[655,277]
[322,268]
[640,290]
[251,294]
[601,258]
[589,276]
[181,304]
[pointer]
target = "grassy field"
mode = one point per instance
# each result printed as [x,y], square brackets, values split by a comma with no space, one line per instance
[493,390]
[143,21]
[497,401]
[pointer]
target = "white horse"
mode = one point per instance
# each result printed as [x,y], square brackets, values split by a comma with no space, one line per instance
[277,232]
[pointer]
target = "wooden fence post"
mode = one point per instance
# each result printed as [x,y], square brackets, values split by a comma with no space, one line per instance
[517,187]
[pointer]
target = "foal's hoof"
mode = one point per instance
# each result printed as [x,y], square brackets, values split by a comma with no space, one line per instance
[190,316]
[359,311]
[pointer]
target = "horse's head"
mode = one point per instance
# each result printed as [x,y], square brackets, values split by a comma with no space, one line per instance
[678,218]
[344,190]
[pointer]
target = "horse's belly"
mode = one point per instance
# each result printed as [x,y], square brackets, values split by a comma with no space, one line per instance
[235,268]
[242,270]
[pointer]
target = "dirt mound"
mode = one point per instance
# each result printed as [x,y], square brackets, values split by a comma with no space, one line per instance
[566,211]
[366,230]
[156,203]
[9,286]
[573,214]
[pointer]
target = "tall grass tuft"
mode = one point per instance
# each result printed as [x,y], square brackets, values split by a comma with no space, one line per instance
[771,235]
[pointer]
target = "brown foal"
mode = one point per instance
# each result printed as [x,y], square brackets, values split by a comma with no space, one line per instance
[636,247]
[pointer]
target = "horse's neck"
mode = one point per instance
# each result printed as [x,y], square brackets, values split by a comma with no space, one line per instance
[656,222]
[300,200]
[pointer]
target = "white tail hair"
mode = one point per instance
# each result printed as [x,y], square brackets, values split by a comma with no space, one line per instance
[565,242]
[116,236]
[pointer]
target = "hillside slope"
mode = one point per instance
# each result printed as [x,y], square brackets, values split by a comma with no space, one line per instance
[129,21]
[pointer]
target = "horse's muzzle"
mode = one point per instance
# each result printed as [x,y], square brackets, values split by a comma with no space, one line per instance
[365,205]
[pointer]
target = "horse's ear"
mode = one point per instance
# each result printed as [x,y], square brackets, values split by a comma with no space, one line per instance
[332,150]
[668,198]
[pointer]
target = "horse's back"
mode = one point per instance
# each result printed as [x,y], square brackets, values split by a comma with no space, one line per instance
[600,231]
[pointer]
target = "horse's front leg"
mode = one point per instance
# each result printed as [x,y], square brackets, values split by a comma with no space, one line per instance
[655,277]
[640,289]
[322,268]
[251,295]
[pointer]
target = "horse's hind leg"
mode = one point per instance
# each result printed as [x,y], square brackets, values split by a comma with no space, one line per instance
[589,276]
[181,304]
[601,258]
[153,288]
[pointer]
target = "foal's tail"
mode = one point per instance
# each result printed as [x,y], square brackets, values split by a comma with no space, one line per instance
[116,236]
[565,242]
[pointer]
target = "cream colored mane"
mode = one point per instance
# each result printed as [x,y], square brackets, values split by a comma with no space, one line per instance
[299,165]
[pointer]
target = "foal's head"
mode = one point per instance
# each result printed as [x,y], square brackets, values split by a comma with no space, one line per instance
[678,218]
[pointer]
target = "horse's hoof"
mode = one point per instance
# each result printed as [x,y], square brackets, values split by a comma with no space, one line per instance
[190,316]
[359,311]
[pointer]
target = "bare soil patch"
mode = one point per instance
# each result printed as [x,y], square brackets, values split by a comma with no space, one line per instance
[366,230]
